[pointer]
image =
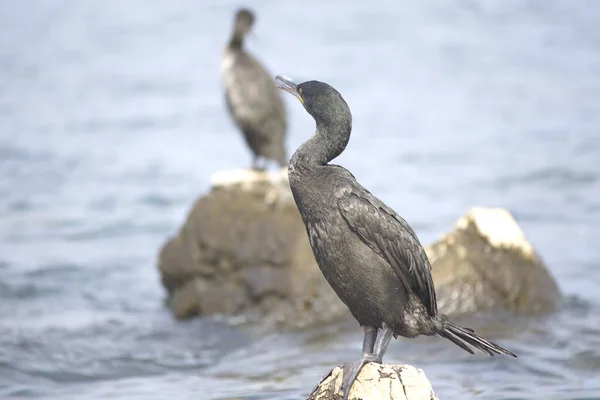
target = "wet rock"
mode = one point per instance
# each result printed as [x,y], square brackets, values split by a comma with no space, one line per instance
[244,249]
[378,381]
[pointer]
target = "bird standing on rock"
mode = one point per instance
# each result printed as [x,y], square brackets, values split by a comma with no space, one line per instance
[370,256]
[252,98]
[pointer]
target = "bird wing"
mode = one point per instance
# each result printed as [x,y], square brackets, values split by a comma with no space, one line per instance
[253,98]
[390,236]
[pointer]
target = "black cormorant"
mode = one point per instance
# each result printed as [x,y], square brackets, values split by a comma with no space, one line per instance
[369,254]
[252,98]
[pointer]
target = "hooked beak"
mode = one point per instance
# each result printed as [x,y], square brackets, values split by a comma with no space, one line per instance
[289,87]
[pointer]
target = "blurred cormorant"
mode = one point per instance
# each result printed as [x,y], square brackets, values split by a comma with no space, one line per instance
[369,255]
[252,98]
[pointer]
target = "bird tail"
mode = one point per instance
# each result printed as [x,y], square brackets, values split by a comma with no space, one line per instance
[465,337]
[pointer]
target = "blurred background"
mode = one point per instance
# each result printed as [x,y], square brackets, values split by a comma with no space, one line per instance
[112,120]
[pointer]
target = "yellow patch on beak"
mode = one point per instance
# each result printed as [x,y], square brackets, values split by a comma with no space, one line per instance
[289,87]
[293,92]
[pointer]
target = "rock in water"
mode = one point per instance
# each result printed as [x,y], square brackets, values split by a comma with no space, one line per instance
[486,263]
[378,381]
[244,248]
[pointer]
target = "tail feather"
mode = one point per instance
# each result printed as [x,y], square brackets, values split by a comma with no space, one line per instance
[465,337]
[457,341]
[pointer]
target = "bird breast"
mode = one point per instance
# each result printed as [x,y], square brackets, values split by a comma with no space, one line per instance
[227,61]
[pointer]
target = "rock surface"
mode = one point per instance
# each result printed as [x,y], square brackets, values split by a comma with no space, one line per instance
[378,381]
[244,248]
[486,263]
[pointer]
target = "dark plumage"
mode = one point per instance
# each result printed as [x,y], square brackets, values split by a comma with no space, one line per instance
[252,98]
[369,255]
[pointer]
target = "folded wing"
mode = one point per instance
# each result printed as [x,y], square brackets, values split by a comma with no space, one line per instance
[390,236]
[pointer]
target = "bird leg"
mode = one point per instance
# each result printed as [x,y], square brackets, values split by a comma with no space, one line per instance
[368,345]
[351,370]
[383,340]
[258,166]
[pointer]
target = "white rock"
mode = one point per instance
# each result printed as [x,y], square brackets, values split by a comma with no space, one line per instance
[247,177]
[378,381]
[499,227]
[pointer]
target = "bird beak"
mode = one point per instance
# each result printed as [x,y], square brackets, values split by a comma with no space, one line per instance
[289,87]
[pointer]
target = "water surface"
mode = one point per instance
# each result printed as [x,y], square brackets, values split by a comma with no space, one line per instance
[112,121]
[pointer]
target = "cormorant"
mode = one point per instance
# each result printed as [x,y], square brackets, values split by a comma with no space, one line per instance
[370,256]
[253,100]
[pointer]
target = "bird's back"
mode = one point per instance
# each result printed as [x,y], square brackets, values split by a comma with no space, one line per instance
[255,103]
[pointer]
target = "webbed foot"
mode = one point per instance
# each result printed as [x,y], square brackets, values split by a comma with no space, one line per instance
[351,371]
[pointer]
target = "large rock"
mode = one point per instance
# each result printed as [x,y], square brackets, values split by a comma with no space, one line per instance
[244,249]
[486,263]
[376,382]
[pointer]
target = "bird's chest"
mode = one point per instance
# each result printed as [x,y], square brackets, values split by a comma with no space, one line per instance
[322,236]
[321,218]
[228,63]
[238,89]
[328,233]
[331,247]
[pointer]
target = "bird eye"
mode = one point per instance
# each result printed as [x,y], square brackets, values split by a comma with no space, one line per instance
[300,91]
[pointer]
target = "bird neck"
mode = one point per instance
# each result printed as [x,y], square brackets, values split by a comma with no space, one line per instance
[328,142]
[237,38]
[236,42]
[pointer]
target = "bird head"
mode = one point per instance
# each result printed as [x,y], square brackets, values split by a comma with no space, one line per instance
[244,19]
[321,101]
